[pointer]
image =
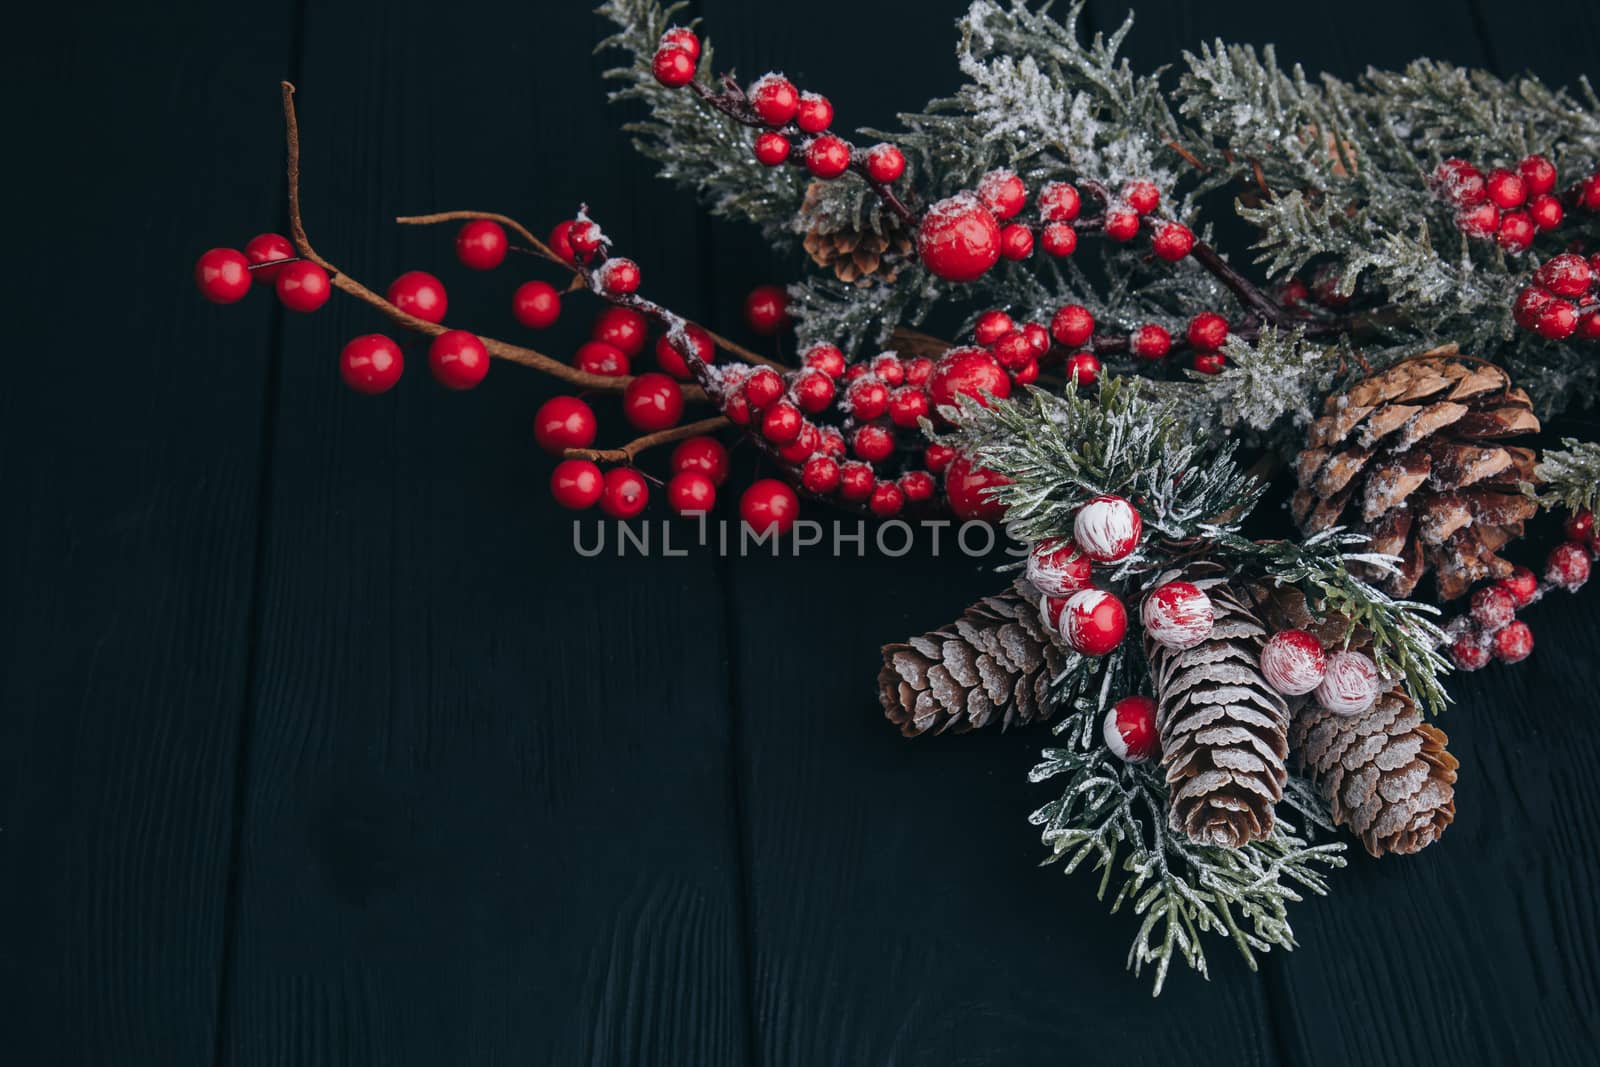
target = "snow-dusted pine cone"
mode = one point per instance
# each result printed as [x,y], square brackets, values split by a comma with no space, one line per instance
[857,253]
[1224,731]
[1411,457]
[994,664]
[1385,773]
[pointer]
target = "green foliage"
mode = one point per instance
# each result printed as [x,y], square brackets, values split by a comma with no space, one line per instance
[1570,476]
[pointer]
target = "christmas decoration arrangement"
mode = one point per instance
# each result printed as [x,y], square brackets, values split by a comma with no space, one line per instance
[1138,322]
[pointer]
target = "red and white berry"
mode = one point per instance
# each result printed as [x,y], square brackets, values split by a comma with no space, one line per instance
[1177,615]
[1130,729]
[1566,566]
[1092,621]
[1293,662]
[1107,528]
[1350,684]
[1057,568]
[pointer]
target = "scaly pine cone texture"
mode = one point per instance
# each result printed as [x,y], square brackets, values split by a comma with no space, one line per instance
[1411,458]
[1385,774]
[857,255]
[994,664]
[1224,731]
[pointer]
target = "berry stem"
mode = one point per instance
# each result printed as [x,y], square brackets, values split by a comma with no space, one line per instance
[628,452]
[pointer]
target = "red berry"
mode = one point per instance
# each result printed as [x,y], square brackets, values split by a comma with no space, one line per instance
[482,244]
[1059,239]
[1173,241]
[652,402]
[576,484]
[303,286]
[1493,607]
[887,369]
[805,443]
[625,328]
[1002,193]
[1556,320]
[1567,566]
[1151,342]
[1092,621]
[691,493]
[1016,241]
[673,67]
[937,457]
[813,391]
[762,386]
[560,241]
[223,275]
[1082,367]
[371,364]
[1121,224]
[966,484]
[1141,195]
[1521,584]
[737,409]
[1481,221]
[564,422]
[1514,643]
[1293,293]
[1072,325]
[866,399]
[769,504]
[958,239]
[1589,193]
[917,486]
[771,148]
[1589,326]
[1516,231]
[1564,275]
[1546,211]
[1059,202]
[1014,350]
[418,293]
[1528,305]
[1038,337]
[827,156]
[1208,331]
[1470,651]
[918,370]
[458,359]
[1459,182]
[268,248]
[1130,731]
[825,358]
[1209,362]
[624,494]
[886,500]
[766,310]
[536,305]
[671,360]
[781,423]
[703,455]
[1026,374]
[619,276]
[820,475]
[873,444]
[585,237]
[681,37]
[1579,526]
[856,480]
[775,100]
[992,325]
[885,163]
[597,357]
[815,114]
[1506,189]
[967,372]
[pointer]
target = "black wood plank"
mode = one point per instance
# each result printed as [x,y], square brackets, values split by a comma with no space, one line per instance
[130,455]
[487,812]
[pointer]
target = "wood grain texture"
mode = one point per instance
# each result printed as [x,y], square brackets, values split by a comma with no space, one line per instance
[131,421]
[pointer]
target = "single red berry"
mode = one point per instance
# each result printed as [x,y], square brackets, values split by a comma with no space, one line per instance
[681,37]
[1546,211]
[885,163]
[827,156]
[1514,643]
[813,391]
[585,237]
[691,493]
[958,239]
[769,505]
[619,276]
[1527,306]
[560,241]
[671,360]
[866,399]
[536,305]
[1209,362]
[597,357]
[564,422]
[820,475]
[762,386]
[805,443]
[887,369]
[1481,221]
[1173,241]
[673,67]
[1016,241]
[458,359]
[1522,584]
[268,248]
[223,275]
[771,148]
[873,444]
[1026,374]
[775,100]
[576,484]
[969,372]
[1506,189]
[1589,326]
[781,423]
[1493,607]
[1014,349]
[918,370]
[704,455]
[737,409]
[886,500]
[766,310]
[623,327]
[1459,182]
[418,293]
[856,480]
[1327,285]
[991,326]
[1516,231]
[1293,293]
[1141,195]
[1564,275]
[937,457]
[1072,325]
[1470,651]
[371,364]
[1059,202]
[967,486]
[825,358]
[1567,566]
[1082,367]
[1002,193]
[815,114]
[917,486]
[1151,342]
[303,286]
[1059,239]
[1589,192]
[1557,320]
[652,401]
[482,244]
[1038,337]
[1208,331]
[624,494]
[1121,224]
[1538,174]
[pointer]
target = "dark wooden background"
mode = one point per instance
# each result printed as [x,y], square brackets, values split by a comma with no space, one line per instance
[319,746]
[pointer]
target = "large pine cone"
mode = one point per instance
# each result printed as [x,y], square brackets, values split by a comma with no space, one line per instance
[858,255]
[992,664]
[1410,457]
[1385,774]
[1224,731]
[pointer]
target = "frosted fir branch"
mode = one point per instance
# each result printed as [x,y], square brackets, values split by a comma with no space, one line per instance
[1276,377]
[1570,476]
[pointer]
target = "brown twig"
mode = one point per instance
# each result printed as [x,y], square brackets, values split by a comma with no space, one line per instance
[629,451]
[1188,156]
[909,342]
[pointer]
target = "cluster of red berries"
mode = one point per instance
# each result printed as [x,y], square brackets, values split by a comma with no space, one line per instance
[1091,620]
[1490,628]
[1561,301]
[225,275]
[1507,205]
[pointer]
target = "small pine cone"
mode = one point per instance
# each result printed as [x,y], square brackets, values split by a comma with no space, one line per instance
[856,255]
[994,664]
[1385,774]
[1224,731]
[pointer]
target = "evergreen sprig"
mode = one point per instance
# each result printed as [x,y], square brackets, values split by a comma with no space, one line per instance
[1569,477]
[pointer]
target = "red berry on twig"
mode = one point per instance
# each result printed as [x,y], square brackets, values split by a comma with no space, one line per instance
[304,286]
[771,148]
[564,422]
[827,156]
[268,248]
[576,484]
[222,275]
[1072,325]
[775,100]
[416,292]
[885,163]
[458,359]
[624,493]
[673,67]
[815,114]
[482,244]
[652,402]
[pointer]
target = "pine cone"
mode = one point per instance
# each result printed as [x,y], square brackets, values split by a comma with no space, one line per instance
[855,255]
[1411,458]
[1385,774]
[993,663]
[1224,731]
